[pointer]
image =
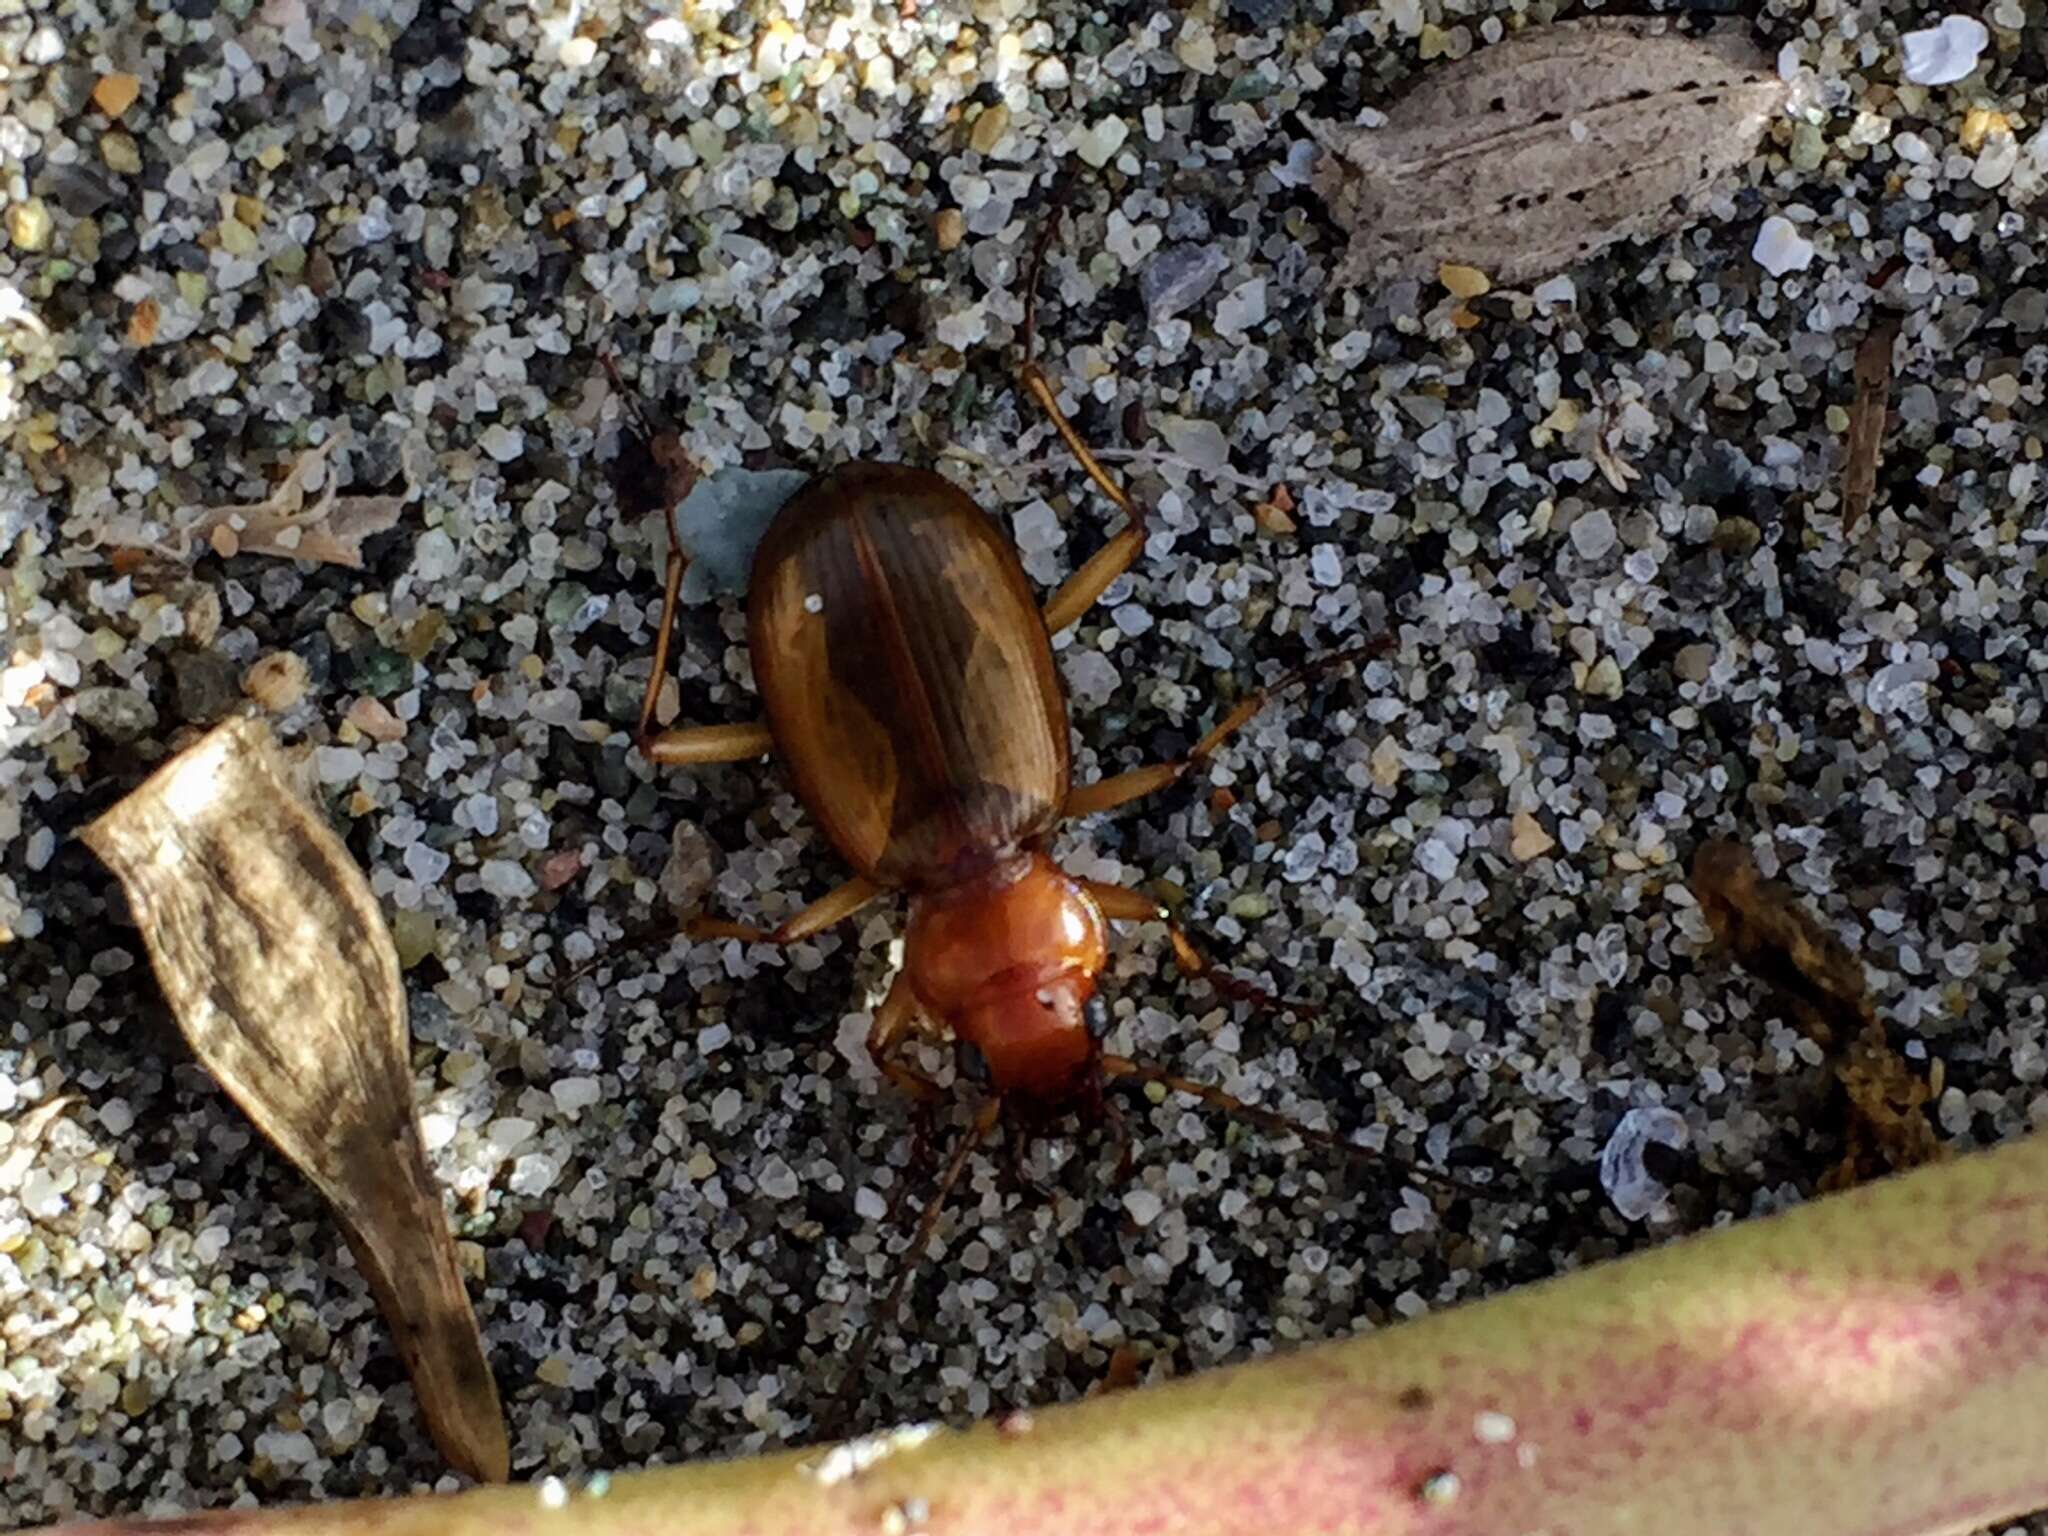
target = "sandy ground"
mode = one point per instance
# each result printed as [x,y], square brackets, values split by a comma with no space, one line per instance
[799,231]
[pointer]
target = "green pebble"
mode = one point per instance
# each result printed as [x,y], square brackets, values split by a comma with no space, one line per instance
[382,672]
[569,608]
[413,934]
[1808,147]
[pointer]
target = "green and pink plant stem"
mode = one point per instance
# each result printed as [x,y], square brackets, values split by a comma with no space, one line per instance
[1872,1364]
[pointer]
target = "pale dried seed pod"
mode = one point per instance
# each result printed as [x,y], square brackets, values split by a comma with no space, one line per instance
[1526,157]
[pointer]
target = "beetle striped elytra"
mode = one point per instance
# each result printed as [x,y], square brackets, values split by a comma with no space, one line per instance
[908,686]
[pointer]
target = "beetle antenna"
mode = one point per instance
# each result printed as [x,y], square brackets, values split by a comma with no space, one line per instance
[1115,1067]
[650,421]
[985,1120]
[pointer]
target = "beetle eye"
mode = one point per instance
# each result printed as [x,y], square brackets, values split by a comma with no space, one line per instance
[1095,1013]
[969,1062]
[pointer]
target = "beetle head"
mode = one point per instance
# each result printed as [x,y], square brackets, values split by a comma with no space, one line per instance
[1009,962]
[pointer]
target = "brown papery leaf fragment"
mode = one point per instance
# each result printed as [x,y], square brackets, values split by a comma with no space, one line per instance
[1123,1372]
[1765,929]
[276,961]
[1867,421]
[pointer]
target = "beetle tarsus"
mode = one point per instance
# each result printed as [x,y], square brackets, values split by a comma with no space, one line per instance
[907,1259]
[1115,1067]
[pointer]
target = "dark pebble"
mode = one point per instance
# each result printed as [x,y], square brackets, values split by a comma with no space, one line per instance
[2026,309]
[317,652]
[204,686]
[1724,470]
[1264,13]
[380,672]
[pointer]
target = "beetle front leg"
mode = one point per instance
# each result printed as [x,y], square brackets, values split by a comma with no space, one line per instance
[1119,903]
[899,1016]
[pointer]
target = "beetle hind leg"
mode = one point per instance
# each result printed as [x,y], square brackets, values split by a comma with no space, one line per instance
[705,744]
[1077,594]
[693,744]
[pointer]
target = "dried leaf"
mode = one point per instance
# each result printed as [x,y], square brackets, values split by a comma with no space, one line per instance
[1763,926]
[1867,420]
[278,966]
[331,531]
[1528,156]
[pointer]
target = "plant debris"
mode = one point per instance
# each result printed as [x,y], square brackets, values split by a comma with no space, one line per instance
[1765,929]
[1126,1369]
[1526,157]
[276,961]
[1867,420]
[331,531]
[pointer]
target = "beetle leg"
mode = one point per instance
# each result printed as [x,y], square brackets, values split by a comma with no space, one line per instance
[1115,1068]
[1119,903]
[901,1015]
[1016,1150]
[906,1260]
[696,744]
[835,906]
[1122,788]
[707,744]
[1077,594]
[671,595]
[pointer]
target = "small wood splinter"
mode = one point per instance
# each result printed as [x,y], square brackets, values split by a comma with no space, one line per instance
[1867,418]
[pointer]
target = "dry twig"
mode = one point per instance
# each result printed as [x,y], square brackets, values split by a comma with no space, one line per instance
[1764,927]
